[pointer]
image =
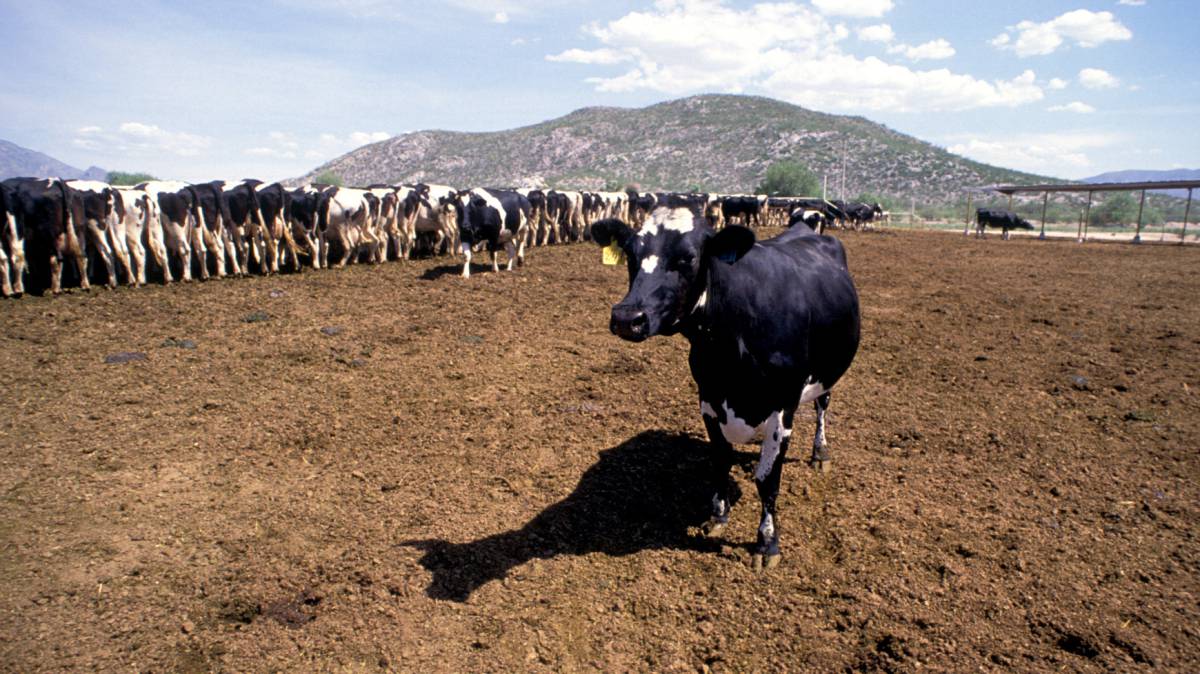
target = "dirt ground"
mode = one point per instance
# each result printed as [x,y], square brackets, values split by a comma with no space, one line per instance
[391,468]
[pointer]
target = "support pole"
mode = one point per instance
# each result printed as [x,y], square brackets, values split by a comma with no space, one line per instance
[1087,216]
[1045,200]
[967,224]
[1079,230]
[1010,196]
[1137,238]
[1187,210]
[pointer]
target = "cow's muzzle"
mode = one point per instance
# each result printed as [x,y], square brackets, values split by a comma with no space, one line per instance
[629,323]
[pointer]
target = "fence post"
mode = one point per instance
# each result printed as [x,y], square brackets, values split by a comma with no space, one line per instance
[1186,211]
[1045,199]
[1087,216]
[1137,238]
[967,224]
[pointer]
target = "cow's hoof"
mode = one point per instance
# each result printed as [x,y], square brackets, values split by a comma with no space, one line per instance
[821,465]
[713,528]
[760,562]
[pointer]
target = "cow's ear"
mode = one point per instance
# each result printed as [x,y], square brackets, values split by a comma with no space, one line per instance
[605,231]
[729,244]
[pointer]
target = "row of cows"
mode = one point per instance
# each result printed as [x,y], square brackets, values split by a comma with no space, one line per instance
[222,228]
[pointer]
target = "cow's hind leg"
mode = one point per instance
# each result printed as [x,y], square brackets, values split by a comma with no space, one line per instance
[820,450]
[721,462]
[766,478]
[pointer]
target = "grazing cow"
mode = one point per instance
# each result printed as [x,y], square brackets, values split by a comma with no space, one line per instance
[995,217]
[12,245]
[104,220]
[745,208]
[214,232]
[495,218]
[142,231]
[640,206]
[861,214]
[246,238]
[537,215]
[772,324]
[307,203]
[278,233]
[345,216]
[46,214]
[177,218]
[571,224]
[813,219]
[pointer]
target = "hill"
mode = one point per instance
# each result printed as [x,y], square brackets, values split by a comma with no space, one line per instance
[1136,175]
[18,161]
[712,142]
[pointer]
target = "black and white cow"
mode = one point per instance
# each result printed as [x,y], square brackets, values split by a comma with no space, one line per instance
[215,232]
[142,230]
[307,203]
[104,222]
[278,233]
[45,212]
[860,214]
[177,219]
[995,217]
[772,324]
[493,218]
[346,217]
[12,245]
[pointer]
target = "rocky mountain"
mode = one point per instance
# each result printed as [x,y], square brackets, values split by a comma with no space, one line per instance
[21,161]
[712,142]
[1135,175]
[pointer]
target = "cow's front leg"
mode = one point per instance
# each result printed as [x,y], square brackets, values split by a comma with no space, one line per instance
[820,450]
[495,264]
[766,479]
[466,251]
[720,463]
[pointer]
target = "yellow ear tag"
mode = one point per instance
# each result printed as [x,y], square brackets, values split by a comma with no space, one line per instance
[613,255]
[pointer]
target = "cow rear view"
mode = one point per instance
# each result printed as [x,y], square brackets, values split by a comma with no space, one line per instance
[772,324]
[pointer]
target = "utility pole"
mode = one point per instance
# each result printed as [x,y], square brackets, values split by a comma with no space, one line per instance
[825,187]
[842,191]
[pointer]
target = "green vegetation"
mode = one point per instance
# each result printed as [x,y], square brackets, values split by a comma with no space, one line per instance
[789,179]
[1121,208]
[328,178]
[127,178]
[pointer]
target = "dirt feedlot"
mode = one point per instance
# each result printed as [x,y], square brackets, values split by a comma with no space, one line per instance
[402,470]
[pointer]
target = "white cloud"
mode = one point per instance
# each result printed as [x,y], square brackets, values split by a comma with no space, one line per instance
[1053,153]
[878,33]
[363,138]
[1131,3]
[139,139]
[856,8]
[592,56]
[932,50]
[1082,27]
[1094,78]
[1056,83]
[500,17]
[783,49]
[1073,106]
[280,145]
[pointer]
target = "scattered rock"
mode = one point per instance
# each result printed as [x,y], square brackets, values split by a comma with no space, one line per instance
[332,330]
[1139,415]
[980,359]
[1080,383]
[187,626]
[256,317]
[124,357]
[276,294]
[472,339]
[358,474]
[172,343]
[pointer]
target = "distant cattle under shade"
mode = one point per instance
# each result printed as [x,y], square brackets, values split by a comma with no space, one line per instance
[1002,219]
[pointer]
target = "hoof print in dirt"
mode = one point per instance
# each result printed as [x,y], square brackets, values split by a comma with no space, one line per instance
[256,317]
[124,357]
[761,563]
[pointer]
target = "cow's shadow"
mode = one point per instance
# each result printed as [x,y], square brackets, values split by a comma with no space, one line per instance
[642,494]
[435,273]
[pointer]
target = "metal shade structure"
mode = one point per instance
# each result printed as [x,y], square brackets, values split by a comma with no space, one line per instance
[1092,188]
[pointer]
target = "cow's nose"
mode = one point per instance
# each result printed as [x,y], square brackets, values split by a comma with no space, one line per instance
[629,323]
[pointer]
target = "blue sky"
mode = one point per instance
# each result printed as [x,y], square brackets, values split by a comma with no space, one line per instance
[270,89]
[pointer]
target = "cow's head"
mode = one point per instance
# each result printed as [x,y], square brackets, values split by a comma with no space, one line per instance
[668,264]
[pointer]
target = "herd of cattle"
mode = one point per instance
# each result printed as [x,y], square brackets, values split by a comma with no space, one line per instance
[181,230]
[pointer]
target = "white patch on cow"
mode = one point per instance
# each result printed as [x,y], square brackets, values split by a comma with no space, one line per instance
[88,186]
[491,201]
[766,528]
[701,302]
[466,251]
[742,351]
[650,264]
[773,438]
[681,221]
[737,430]
[720,508]
[707,409]
[819,438]
[812,390]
